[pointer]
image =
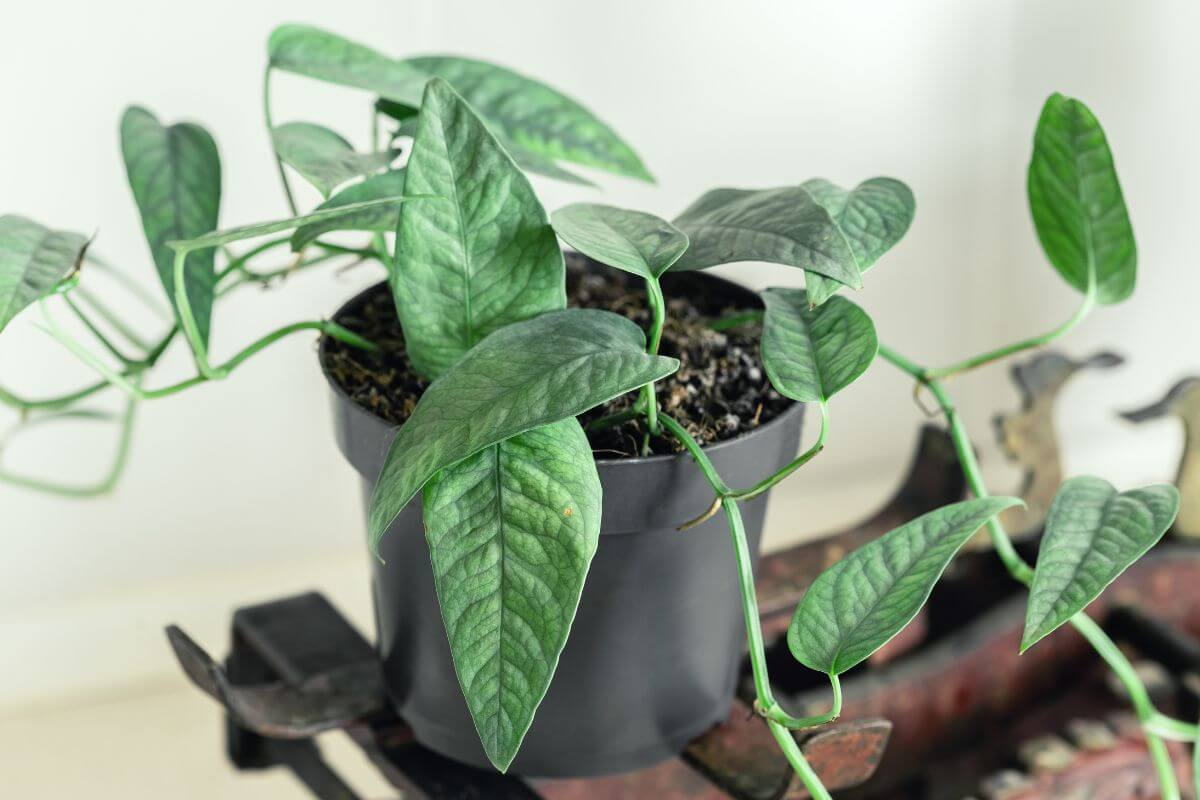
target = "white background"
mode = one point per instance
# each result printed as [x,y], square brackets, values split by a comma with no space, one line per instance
[235,492]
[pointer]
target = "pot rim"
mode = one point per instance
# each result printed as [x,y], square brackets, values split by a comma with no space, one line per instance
[792,409]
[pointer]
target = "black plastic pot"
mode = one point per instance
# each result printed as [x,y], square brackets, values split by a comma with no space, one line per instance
[653,655]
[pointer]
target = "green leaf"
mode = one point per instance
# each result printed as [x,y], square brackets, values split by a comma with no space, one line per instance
[783,226]
[33,261]
[810,354]
[511,532]
[218,238]
[379,219]
[325,56]
[873,216]
[324,158]
[481,256]
[537,124]
[175,174]
[524,375]
[535,117]
[857,605]
[1076,201]
[633,241]
[1093,534]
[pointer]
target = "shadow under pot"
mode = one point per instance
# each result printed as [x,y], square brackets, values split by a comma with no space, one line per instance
[653,656]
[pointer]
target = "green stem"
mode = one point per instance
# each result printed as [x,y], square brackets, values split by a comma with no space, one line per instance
[113,320]
[98,334]
[787,743]
[1174,729]
[287,186]
[808,455]
[1023,573]
[104,485]
[1089,302]
[658,308]
[187,320]
[765,703]
[735,320]
[123,381]
[608,421]
[693,447]
[238,262]
[780,716]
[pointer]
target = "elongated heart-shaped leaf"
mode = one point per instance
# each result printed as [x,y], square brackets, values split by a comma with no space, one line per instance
[325,56]
[33,260]
[1093,534]
[1076,201]
[872,216]
[783,226]
[379,219]
[810,354]
[229,235]
[525,114]
[857,605]
[175,174]
[511,532]
[633,241]
[524,375]
[535,117]
[323,157]
[481,256]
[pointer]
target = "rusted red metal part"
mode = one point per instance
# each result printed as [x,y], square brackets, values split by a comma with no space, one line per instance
[1121,771]
[960,688]
[844,755]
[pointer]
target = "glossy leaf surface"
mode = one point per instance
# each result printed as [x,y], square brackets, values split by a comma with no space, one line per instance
[229,235]
[481,255]
[810,354]
[323,157]
[1076,201]
[633,241]
[524,375]
[857,605]
[1093,534]
[511,532]
[782,226]
[379,219]
[525,114]
[872,216]
[175,174]
[33,260]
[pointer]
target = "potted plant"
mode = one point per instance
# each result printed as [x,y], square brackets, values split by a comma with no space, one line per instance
[473,393]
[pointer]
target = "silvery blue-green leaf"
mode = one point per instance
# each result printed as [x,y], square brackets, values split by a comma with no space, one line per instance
[1076,201]
[782,226]
[633,241]
[524,375]
[229,235]
[810,354]
[857,605]
[33,260]
[379,219]
[324,158]
[480,256]
[325,56]
[873,216]
[175,174]
[539,125]
[511,532]
[535,117]
[1093,534]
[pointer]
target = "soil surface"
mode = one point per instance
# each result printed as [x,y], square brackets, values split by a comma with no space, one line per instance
[720,391]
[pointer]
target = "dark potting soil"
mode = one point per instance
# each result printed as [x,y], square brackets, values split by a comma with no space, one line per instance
[720,391]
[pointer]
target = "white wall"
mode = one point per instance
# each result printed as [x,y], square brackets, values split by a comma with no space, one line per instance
[235,491]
